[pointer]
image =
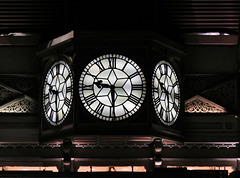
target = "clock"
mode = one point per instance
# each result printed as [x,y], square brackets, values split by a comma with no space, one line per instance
[57,93]
[166,93]
[112,87]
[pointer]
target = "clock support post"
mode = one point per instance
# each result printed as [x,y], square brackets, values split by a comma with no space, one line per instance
[157,150]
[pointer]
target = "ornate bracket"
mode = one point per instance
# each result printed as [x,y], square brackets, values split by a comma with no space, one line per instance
[198,104]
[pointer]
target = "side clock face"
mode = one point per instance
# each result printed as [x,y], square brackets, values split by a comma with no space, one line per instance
[166,93]
[112,87]
[57,93]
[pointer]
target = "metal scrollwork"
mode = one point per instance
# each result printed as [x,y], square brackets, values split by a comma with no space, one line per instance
[199,104]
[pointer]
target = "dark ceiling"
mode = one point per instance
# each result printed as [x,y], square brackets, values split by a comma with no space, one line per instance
[173,18]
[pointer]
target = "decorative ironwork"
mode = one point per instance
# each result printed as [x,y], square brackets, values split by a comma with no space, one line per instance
[199,104]
[203,145]
[13,98]
[223,94]
[22,105]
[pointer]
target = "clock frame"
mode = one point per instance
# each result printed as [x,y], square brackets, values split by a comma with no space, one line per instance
[57,91]
[166,92]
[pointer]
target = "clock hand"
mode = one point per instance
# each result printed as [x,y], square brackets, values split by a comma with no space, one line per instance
[56,108]
[112,88]
[167,94]
[163,88]
[101,85]
[53,91]
[98,83]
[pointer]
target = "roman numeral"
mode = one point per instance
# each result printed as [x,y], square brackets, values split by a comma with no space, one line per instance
[45,97]
[161,112]
[90,99]
[100,65]
[112,62]
[124,65]
[155,90]
[177,96]
[88,87]
[47,106]
[59,115]
[51,73]
[69,89]
[133,99]
[88,73]
[133,75]
[112,112]
[125,110]
[56,114]
[52,115]
[168,117]
[166,70]
[175,106]
[163,69]
[157,101]
[137,87]
[68,76]
[99,108]
[67,102]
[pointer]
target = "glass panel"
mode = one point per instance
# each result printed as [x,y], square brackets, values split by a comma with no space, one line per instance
[136,80]
[94,70]
[120,63]
[129,69]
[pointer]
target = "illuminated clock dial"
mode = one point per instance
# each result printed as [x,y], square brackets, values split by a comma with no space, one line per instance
[112,87]
[57,93]
[166,93]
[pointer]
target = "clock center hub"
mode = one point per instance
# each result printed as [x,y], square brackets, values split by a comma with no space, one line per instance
[167,93]
[112,86]
[57,92]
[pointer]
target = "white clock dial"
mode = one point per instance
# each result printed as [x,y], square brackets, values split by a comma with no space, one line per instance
[112,87]
[57,93]
[166,93]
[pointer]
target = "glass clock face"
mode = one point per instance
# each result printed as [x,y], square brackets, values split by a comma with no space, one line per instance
[112,87]
[166,93]
[57,93]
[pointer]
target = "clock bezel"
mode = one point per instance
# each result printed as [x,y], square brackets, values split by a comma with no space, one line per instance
[68,117]
[171,62]
[86,58]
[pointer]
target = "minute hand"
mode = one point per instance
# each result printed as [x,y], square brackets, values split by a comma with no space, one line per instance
[112,88]
[167,94]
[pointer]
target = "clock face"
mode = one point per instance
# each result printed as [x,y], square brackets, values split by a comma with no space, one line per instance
[112,87]
[166,93]
[57,93]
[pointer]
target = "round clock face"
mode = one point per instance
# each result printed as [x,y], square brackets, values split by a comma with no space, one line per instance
[166,93]
[112,87]
[57,93]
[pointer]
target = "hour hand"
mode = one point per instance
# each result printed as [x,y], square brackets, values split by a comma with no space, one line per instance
[98,83]
[101,85]
[163,88]
[52,91]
